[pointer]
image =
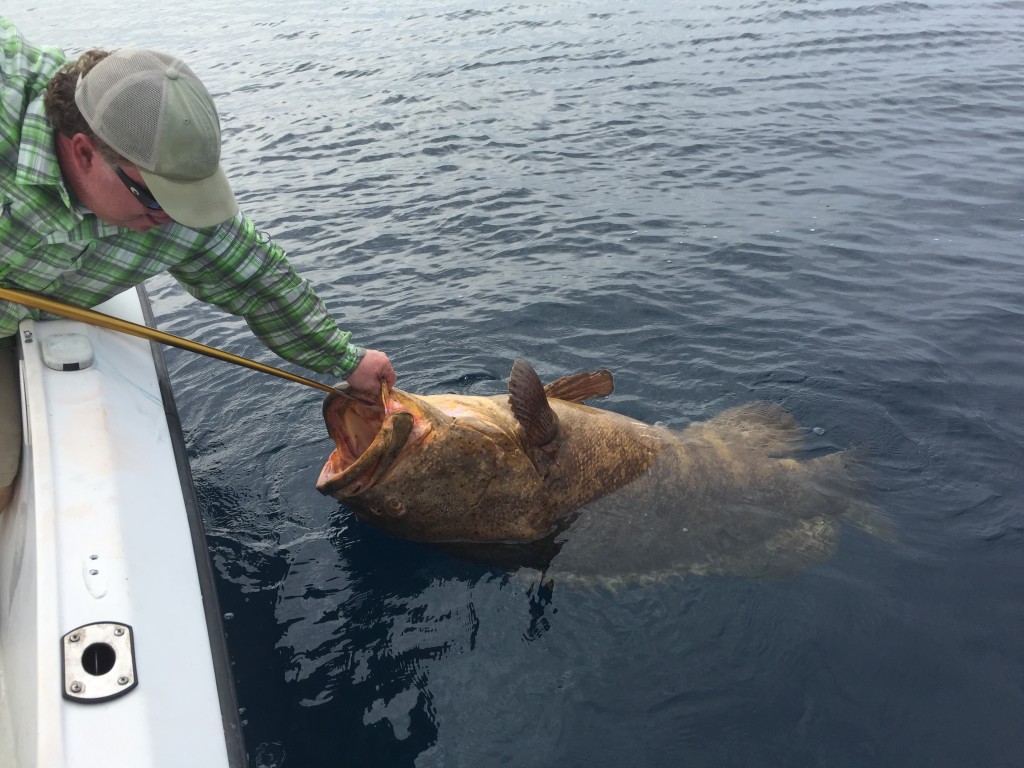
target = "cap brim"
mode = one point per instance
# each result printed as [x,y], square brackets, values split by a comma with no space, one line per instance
[197,204]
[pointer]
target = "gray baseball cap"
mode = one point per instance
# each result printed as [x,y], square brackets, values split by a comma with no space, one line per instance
[153,111]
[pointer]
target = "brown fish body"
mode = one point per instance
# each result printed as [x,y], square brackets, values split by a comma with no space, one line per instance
[450,468]
[466,474]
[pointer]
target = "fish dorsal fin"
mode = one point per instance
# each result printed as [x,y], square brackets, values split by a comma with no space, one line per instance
[530,405]
[579,387]
[762,425]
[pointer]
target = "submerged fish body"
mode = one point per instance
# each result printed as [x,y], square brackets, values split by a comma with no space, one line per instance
[596,492]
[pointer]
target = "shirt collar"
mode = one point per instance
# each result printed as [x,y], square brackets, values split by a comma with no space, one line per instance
[37,159]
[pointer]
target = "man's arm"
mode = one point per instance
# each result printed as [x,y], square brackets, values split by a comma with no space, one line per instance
[243,272]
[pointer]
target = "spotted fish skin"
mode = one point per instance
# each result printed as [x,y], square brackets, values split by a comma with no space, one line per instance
[538,465]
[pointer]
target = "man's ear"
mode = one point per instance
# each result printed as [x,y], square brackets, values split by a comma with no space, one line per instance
[83,153]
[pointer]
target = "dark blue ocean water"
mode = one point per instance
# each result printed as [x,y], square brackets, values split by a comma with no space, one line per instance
[813,203]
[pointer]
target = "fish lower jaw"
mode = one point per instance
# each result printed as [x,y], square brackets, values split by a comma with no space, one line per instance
[342,484]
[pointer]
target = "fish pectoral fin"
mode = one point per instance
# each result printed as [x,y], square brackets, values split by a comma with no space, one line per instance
[580,387]
[545,461]
[530,405]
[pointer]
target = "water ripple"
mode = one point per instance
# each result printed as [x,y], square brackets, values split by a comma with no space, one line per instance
[812,203]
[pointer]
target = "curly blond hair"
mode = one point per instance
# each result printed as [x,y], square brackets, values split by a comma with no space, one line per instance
[63,112]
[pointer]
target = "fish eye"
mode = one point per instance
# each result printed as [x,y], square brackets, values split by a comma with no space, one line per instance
[395,507]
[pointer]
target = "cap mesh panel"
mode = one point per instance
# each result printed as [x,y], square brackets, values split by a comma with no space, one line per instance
[123,102]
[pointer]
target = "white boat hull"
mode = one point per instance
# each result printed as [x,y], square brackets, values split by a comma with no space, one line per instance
[99,539]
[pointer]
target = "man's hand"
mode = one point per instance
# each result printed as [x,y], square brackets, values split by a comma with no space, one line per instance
[371,371]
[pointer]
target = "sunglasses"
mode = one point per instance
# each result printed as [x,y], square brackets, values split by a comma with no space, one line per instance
[141,192]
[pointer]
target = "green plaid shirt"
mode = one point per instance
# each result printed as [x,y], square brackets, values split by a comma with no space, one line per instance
[51,245]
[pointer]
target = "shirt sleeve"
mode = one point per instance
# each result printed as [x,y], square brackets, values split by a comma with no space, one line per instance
[243,272]
[24,71]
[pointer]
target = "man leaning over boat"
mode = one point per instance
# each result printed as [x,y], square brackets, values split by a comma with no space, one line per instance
[110,173]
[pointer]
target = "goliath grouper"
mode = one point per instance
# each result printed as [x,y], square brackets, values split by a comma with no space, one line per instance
[600,493]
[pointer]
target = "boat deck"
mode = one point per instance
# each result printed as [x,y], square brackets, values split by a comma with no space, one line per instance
[111,646]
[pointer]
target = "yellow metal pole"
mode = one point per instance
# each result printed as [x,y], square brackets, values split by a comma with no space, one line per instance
[152,334]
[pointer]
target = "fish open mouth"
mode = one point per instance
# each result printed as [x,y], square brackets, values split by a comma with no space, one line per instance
[368,436]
